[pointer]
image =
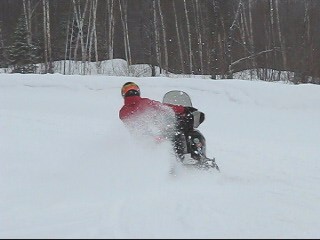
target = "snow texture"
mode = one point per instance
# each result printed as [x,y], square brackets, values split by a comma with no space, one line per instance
[70,169]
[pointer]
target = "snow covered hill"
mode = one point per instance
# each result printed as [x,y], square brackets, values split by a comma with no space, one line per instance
[70,169]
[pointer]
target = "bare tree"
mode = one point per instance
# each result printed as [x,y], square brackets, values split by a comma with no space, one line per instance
[47,37]
[164,35]
[281,39]
[79,20]
[67,43]
[214,42]
[189,37]
[95,7]
[230,40]
[156,34]
[92,33]
[72,37]
[123,14]
[199,35]
[301,73]
[27,15]
[111,21]
[251,35]
[178,37]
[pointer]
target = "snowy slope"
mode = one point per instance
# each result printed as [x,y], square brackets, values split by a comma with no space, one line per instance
[69,168]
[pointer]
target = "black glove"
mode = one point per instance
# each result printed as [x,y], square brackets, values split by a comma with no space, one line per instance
[189,117]
[190,109]
[185,120]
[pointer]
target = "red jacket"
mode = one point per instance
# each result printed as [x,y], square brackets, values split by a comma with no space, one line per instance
[136,105]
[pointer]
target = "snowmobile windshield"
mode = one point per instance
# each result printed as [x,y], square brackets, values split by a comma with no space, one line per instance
[177,97]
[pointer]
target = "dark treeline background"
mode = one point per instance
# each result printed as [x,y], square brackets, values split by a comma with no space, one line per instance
[211,37]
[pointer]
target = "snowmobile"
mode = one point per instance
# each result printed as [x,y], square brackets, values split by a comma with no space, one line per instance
[188,142]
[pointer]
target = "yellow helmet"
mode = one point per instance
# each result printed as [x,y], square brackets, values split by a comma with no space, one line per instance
[130,89]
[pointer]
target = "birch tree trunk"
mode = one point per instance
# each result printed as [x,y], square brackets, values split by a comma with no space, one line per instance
[189,37]
[91,38]
[89,32]
[79,18]
[47,37]
[164,35]
[178,37]
[251,38]
[305,45]
[92,34]
[95,6]
[110,10]
[66,46]
[199,36]
[71,43]
[230,40]
[123,14]
[281,39]
[156,34]
[272,41]
[214,38]
[29,13]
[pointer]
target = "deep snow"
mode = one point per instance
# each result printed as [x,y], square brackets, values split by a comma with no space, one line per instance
[70,169]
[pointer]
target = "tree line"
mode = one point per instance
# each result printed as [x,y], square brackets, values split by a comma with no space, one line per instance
[207,37]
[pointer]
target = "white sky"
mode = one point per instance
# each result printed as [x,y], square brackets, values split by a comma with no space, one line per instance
[70,169]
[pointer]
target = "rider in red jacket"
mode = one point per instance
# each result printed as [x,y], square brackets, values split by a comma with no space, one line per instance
[135,105]
[142,114]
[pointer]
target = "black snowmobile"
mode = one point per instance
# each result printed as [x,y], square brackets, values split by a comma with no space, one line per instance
[188,142]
